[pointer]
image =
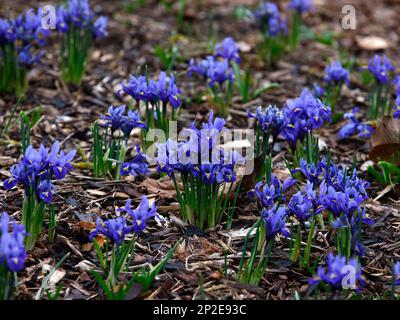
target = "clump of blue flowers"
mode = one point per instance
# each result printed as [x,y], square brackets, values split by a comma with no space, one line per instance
[354,126]
[110,139]
[272,222]
[270,123]
[78,27]
[219,73]
[335,77]
[340,273]
[137,165]
[379,98]
[20,43]
[274,31]
[157,95]
[12,254]
[35,172]
[120,234]
[341,194]
[299,9]
[206,171]
[303,115]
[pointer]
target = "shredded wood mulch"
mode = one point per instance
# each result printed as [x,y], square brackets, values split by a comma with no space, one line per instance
[205,264]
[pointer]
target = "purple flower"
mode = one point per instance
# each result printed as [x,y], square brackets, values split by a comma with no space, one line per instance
[396,273]
[61,20]
[141,214]
[12,248]
[167,154]
[228,50]
[75,13]
[137,88]
[45,191]
[202,67]
[37,168]
[76,17]
[275,221]
[396,109]
[303,114]
[113,229]
[347,201]
[339,273]
[61,164]
[24,35]
[167,91]
[336,73]
[319,92]
[354,224]
[208,172]
[116,119]
[269,193]
[271,120]
[396,83]
[339,179]
[269,19]
[100,28]
[163,89]
[137,166]
[380,67]
[28,28]
[219,72]
[26,59]
[353,126]
[300,206]
[6,32]
[311,171]
[130,121]
[301,6]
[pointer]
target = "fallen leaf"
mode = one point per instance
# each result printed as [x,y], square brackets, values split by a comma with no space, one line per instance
[56,277]
[96,192]
[87,247]
[216,275]
[165,189]
[237,234]
[384,191]
[244,46]
[385,140]
[372,43]
[86,225]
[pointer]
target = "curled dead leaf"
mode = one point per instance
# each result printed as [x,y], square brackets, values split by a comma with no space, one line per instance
[165,189]
[386,140]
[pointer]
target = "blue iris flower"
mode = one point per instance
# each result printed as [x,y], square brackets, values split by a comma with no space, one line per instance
[380,67]
[12,248]
[336,73]
[275,221]
[354,126]
[38,167]
[336,270]
[228,50]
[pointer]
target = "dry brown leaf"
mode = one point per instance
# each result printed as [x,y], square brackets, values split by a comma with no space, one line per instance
[372,43]
[96,192]
[385,140]
[86,225]
[164,189]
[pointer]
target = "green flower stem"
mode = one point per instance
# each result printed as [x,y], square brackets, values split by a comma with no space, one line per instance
[307,252]
[33,211]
